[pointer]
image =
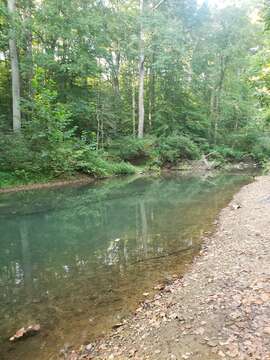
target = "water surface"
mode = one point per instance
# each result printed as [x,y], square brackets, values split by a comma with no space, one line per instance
[77,260]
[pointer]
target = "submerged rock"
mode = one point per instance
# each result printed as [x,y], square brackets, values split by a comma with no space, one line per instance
[25,332]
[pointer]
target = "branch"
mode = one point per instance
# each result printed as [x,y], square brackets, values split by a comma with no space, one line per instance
[158,5]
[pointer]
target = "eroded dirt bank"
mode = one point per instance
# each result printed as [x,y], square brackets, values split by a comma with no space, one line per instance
[221,308]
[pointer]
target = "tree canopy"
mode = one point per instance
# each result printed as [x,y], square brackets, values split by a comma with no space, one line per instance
[91,85]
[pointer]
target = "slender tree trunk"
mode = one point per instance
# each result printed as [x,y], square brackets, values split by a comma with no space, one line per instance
[216,123]
[15,76]
[30,72]
[150,98]
[133,108]
[217,92]
[98,128]
[98,116]
[141,75]
[213,114]
[102,131]
[115,56]
[152,86]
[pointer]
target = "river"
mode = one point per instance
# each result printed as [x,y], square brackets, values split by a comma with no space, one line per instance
[77,260]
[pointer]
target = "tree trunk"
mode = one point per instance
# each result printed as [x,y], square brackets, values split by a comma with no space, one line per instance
[141,75]
[115,60]
[133,108]
[217,95]
[15,76]
[30,71]
[149,98]
[27,16]
[98,128]
[152,95]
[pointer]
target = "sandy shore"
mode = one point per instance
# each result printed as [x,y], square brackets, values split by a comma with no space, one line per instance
[220,309]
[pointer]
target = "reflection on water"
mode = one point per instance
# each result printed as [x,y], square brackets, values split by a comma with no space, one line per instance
[76,260]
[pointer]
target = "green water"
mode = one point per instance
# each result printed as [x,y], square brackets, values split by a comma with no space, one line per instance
[77,260]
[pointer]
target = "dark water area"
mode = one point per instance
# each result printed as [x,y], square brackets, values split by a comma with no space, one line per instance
[77,260]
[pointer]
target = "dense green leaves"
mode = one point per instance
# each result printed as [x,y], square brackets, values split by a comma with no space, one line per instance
[206,83]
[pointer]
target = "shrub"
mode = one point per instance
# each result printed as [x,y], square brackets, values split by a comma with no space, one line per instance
[15,153]
[96,164]
[261,149]
[123,168]
[132,149]
[7,179]
[250,143]
[50,136]
[175,148]
[223,153]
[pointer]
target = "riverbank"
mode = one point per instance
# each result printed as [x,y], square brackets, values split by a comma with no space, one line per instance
[76,180]
[83,179]
[220,309]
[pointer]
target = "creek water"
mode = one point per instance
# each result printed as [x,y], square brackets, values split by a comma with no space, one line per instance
[77,260]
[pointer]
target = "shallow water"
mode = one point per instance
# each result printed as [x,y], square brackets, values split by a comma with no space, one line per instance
[77,260]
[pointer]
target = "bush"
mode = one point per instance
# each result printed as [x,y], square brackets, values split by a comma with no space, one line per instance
[90,162]
[47,150]
[175,148]
[96,164]
[123,168]
[7,179]
[223,153]
[261,150]
[15,153]
[50,136]
[250,144]
[132,149]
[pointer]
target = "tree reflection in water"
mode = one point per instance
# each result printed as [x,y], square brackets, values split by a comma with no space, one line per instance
[78,259]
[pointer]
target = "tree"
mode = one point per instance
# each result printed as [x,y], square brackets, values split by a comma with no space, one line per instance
[171,73]
[15,72]
[141,73]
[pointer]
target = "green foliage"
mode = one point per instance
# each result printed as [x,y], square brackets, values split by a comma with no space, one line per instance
[253,144]
[49,134]
[206,85]
[48,144]
[176,148]
[7,179]
[261,150]
[224,153]
[155,151]
[15,153]
[132,149]
[91,163]
[21,177]
[95,163]
[122,168]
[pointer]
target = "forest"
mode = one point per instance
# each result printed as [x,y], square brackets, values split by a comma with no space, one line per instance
[107,87]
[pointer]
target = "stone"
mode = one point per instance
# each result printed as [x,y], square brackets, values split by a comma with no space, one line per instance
[89,347]
[25,332]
